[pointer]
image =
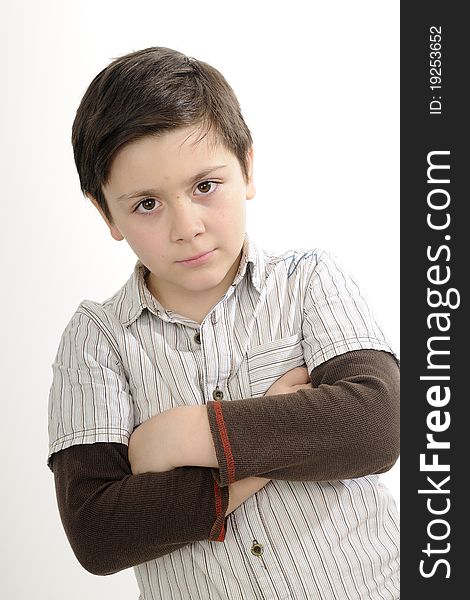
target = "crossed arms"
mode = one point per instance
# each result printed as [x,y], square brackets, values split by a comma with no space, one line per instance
[182,437]
[344,424]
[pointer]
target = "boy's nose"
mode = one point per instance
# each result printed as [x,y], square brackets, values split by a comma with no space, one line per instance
[186,221]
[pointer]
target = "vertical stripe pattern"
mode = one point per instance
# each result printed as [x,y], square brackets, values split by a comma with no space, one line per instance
[123,360]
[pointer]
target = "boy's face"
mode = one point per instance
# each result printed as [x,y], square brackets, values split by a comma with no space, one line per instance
[190,202]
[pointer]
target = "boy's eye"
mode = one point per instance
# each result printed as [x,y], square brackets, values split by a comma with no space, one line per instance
[147,205]
[207,186]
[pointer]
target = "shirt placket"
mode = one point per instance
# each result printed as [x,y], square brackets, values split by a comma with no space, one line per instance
[258,550]
[216,357]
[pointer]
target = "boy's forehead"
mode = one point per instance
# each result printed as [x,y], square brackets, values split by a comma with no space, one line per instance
[183,139]
[177,153]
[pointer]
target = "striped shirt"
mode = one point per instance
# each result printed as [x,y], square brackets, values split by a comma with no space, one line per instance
[319,540]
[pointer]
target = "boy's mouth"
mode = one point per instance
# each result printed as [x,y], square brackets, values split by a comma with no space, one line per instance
[198,258]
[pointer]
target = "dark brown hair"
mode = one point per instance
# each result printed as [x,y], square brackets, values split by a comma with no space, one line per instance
[148,92]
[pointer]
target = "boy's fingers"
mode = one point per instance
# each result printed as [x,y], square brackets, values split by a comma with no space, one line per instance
[296,376]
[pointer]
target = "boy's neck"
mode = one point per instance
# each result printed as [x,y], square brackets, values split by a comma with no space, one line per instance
[196,305]
[192,309]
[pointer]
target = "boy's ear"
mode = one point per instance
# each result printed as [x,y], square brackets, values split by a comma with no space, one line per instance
[250,188]
[115,233]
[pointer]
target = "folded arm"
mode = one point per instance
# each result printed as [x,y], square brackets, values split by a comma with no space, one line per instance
[115,520]
[345,424]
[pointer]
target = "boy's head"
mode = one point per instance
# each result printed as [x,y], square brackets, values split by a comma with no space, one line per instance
[150,92]
[164,154]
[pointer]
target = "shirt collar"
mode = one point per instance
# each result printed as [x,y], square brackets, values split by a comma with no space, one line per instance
[134,296]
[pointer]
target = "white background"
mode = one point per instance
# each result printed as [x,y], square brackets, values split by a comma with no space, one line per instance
[318,85]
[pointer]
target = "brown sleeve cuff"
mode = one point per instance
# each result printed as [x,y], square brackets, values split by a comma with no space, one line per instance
[225,475]
[346,426]
[221,498]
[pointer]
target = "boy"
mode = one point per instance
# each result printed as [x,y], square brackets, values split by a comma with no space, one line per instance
[220,422]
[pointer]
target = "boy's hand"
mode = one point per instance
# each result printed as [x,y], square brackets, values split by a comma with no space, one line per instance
[242,490]
[174,438]
[151,445]
[295,379]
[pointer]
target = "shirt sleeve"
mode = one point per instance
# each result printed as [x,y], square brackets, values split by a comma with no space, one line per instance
[336,316]
[115,520]
[346,426]
[89,399]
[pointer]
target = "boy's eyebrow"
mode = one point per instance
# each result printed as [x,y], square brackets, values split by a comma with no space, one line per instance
[150,192]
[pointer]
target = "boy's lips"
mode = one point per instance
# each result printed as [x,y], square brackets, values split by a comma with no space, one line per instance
[197,258]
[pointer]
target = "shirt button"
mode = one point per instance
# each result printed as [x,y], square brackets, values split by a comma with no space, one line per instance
[217,394]
[197,338]
[257,549]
